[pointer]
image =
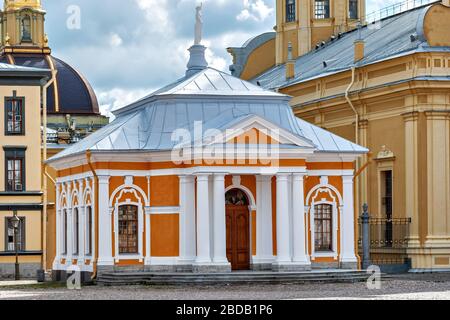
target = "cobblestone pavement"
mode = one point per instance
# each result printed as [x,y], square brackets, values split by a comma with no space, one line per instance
[400,287]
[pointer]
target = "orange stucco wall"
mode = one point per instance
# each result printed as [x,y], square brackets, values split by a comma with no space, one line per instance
[165,235]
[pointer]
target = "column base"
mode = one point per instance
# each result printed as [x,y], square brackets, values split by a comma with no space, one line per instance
[353,265]
[290,267]
[211,268]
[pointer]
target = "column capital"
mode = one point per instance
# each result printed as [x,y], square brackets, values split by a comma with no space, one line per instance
[437,114]
[219,175]
[363,124]
[298,175]
[283,176]
[410,116]
[347,179]
[264,177]
[103,179]
[186,178]
[202,176]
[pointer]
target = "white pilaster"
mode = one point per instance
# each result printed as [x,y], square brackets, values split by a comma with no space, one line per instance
[264,239]
[69,253]
[81,234]
[219,221]
[300,256]
[147,259]
[187,220]
[203,224]
[58,228]
[348,220]
[104,218]
[283,234]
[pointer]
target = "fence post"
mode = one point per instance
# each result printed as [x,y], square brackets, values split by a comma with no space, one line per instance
[365,223]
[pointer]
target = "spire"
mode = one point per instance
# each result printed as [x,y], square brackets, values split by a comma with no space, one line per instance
[197,61]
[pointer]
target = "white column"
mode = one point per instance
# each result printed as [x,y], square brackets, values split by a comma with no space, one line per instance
[299,225]
[264,239]
[58,228]
[69,253]
[104,220]
[283,234]
[219,221]
[147,259]
[81,234]
[203,241]
[347,216]
[187,220]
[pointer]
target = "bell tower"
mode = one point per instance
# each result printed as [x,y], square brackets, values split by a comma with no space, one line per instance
[304,23]
[22,27]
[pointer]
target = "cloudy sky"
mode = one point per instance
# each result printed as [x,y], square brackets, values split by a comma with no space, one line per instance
[127,48]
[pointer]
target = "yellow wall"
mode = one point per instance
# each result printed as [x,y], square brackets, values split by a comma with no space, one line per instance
[261,59]
[31,139]
[32,229]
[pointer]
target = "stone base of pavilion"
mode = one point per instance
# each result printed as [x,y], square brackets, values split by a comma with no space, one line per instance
[235,277]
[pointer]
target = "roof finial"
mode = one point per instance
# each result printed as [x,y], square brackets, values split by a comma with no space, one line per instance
[198,24]
[197,61]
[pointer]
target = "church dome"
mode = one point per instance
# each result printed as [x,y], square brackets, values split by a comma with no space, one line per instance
[74,95]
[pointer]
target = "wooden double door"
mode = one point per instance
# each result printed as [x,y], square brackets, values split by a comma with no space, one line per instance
[238,236]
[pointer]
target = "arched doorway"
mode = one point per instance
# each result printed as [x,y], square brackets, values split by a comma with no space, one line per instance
[238,229]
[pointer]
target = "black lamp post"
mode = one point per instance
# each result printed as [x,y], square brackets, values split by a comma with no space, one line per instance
[15,222]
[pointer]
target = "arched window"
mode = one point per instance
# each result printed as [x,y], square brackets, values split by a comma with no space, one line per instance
[89,219]
[26,29]
[128,230]
[290,10]
[76,228]
[323,227]
[322,9]
[236,197]
[353,9]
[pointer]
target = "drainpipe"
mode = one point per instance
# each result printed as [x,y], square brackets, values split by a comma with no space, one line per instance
[44,170]
[91,167]
[349,101]
[356,216]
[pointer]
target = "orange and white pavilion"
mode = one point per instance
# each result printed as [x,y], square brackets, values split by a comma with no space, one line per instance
[208,174]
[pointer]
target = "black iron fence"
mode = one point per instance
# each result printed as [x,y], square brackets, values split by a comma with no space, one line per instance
[388,240]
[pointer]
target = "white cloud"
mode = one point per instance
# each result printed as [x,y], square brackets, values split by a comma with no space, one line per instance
[115,40]
[110,100]
[256,10]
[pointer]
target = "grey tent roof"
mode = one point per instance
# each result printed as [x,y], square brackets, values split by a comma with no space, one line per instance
[384,39]
[213,97]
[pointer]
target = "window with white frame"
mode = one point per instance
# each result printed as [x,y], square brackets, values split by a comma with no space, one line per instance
[322,9]
[128,229]
[323,228]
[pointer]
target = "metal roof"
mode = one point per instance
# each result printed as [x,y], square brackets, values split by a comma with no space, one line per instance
[218,100]
[384,39]
[5,67]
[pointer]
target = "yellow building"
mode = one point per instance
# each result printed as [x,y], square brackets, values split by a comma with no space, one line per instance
[72,106]
[20,168]
[385,86]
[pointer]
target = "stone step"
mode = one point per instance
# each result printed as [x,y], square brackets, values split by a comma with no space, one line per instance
[228,278]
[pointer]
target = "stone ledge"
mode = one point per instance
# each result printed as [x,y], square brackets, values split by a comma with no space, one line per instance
[211,268]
